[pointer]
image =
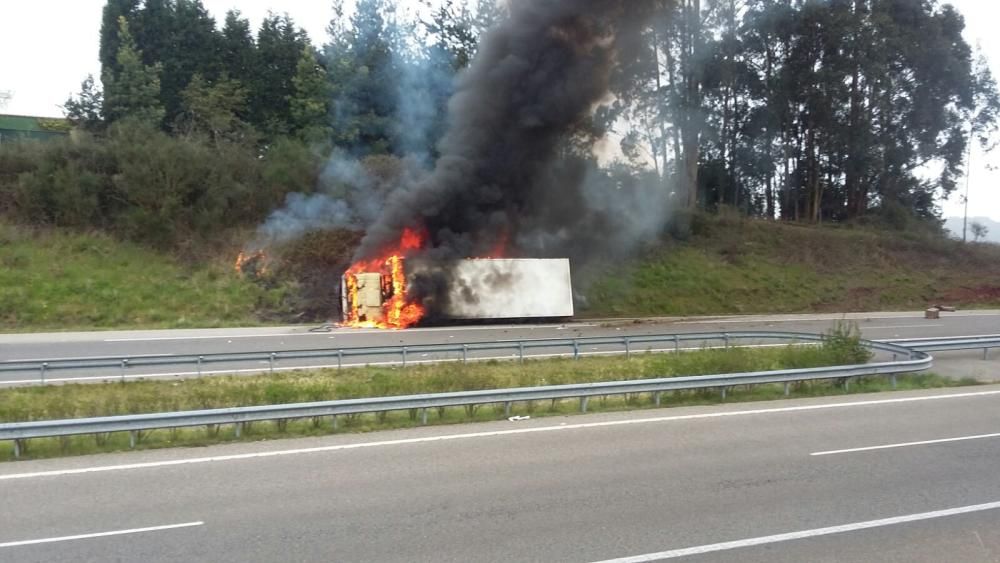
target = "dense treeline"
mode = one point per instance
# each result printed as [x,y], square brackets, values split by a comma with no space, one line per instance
[806,110]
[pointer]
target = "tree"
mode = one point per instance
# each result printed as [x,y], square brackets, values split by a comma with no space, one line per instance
[85,110]
[110,43]
[310,98]
[979,230]
[279,47]
[459,29]
[364,77]
[181,36]
[237,48]
[135,91]
[214,109]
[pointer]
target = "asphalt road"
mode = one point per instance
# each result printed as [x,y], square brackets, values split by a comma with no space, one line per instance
[738,482]
[184,342]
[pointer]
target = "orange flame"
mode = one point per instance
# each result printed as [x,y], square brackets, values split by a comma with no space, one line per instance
[252,263]
[395,311]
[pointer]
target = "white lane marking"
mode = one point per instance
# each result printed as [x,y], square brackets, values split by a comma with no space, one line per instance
[888,327]
[88,358]
[850,317]
[803,534]
[470,435]
[907,444]
[512,356]
[102,534]
[968,337]
[346,331]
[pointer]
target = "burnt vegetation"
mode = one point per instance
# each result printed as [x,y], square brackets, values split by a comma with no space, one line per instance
[592,129]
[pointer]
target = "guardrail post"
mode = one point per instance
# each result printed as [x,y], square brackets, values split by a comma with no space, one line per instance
[520,351]
[723,393]
[628,348]
[423,416]
[17,449]
[656,398]
[270,362]
[847,384]
[986,354]
[238,429]
[725,340]
[583,404]
[124,365]
[465,353]
[334,422]
[506,408]
[787,388]
[340,359]
[404,356]
[44,365]
[200,359]
[893,380]
[576,349]
[131,439]
[677,343]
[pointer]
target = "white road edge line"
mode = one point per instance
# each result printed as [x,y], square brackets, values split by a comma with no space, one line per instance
[470,435]
[802,534]
[907,444]
[891,327]
[344,331]
[17,360]
[102,534]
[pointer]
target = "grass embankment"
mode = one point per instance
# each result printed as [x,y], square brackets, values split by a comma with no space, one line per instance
[69,401]
[733,266]
[52,280]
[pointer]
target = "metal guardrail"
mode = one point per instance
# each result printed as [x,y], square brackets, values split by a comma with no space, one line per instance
[985,342]
[627,344]
[915,361]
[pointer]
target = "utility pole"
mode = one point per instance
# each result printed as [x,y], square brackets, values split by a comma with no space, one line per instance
[968,174]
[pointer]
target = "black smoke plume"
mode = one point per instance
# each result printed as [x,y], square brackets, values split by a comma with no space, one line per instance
[506,168]
[534,84]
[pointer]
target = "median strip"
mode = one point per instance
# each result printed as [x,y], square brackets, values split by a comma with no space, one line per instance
[491,434]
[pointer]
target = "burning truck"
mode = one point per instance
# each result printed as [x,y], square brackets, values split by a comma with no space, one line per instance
[402,288]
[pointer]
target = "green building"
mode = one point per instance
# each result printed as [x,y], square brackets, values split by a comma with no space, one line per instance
[15,128]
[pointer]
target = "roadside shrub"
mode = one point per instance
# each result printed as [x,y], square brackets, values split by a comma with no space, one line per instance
[143,185]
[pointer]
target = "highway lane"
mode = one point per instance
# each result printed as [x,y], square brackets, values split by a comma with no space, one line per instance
[576,489]
[168,343]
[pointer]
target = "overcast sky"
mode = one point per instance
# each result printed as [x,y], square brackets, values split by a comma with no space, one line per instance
[49,47]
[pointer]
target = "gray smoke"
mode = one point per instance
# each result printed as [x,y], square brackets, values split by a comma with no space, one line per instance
[503,171]
[349,196]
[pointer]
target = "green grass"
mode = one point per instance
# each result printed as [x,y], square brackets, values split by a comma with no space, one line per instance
[734,266]
[56,280]
[59,280]
[70,401]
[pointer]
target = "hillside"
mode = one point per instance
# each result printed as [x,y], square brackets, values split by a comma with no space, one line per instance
[748,266]
[56,280]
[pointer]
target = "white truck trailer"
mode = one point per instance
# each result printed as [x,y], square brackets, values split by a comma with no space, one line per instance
[477,289]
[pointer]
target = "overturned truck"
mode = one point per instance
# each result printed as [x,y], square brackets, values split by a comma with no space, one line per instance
[463,290]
